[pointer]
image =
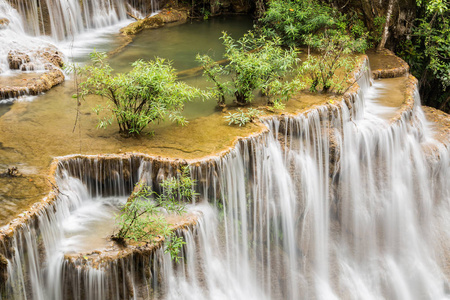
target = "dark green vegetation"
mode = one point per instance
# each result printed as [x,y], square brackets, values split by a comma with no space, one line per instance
[428,52]
[335,48]
[331,34]
[295,21]
[142,220]
[255,63]
[148,93]
[418,31]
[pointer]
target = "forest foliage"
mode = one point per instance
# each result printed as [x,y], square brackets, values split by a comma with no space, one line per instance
[427,51]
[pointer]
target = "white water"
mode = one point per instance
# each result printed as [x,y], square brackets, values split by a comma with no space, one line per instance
[337,204]
[78,223]
[374,227]
[74,27]
[70,18]
[13,37]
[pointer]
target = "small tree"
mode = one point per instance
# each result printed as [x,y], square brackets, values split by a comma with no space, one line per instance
[294,20]
[255,64]
[332,67]
[149,92]
[142,219]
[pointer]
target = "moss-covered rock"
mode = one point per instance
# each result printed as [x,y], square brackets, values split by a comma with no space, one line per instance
[165,16]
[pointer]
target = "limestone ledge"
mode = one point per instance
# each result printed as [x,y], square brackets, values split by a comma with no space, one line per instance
[48,58]
[96,258]
[34,86]
[159,20]
[409,102]
[401,69]
[7,232]
[99,258]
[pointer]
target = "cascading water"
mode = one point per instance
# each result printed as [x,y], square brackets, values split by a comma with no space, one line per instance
[29,28]
[347,206]
[73,17]
[335,204]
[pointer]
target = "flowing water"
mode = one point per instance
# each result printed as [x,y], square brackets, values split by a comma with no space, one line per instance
[335,204]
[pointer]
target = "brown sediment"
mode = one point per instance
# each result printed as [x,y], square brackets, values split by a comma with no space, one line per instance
[385,64]
[33,86]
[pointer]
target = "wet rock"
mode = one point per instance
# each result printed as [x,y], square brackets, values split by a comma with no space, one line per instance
[52,56]
[148,23]
[170,16]
[165,16]
[11,172]
[17,58]
[396,69]
[27,67]
[4,23]
[45,82]
[3,268]
[34,86]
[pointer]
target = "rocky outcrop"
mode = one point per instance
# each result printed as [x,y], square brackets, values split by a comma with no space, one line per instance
[397,67]
[3,268]
[31,60]
[34,86]
[163,17]
[48,58]
[17,58]
[3,23]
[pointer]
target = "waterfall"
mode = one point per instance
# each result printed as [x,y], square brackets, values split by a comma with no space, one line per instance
[336,203]
[69,18]
[80,218]
[28,28]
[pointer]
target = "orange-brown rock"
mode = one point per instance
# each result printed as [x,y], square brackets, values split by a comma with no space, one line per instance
[34,86]
[385,64]
[52,56]
[3,22]
[17,58]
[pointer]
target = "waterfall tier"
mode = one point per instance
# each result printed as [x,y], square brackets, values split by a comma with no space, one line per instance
[336,203]
[66,19]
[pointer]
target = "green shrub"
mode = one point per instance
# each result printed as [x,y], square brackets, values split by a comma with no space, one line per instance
[141,218]
[292,20]
[241,118]
[149,92]
[295,20]
[329,70]
[255,63]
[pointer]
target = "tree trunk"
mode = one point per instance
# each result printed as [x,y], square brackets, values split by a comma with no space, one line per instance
[368,12]
[385,34]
